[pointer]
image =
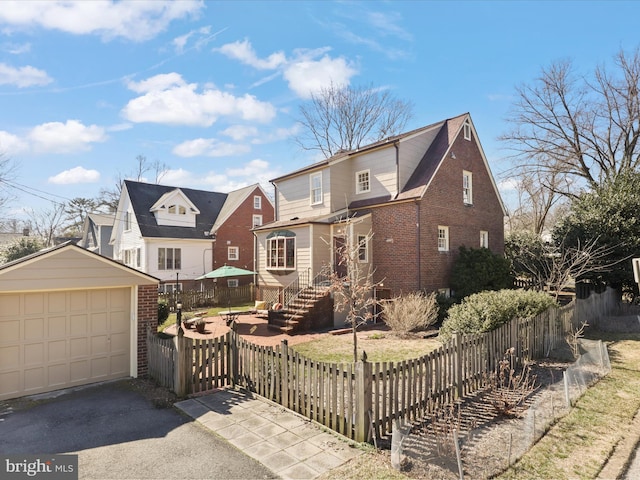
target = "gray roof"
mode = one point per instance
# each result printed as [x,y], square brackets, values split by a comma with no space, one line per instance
[144,195]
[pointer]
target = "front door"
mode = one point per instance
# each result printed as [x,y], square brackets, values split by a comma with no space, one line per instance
[339,257]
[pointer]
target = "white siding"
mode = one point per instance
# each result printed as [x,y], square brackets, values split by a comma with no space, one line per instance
[294,197]
[303,258]
[193,258]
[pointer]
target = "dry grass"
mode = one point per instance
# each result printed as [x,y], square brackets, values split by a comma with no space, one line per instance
[381,346]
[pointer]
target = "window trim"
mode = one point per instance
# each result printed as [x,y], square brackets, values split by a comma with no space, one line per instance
[443,241]
[467,187]
[288,246]
[127,221]
[312,196]
[255,217]
[466,131]
[363,247]
[230,254]
[175,259]
[358,183]
[257,202]
[484,239]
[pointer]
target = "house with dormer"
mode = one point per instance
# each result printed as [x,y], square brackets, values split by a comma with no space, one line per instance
[96,233]
[409,202]
[178,234]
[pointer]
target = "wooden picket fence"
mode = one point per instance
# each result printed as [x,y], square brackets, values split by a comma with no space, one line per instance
[361,400]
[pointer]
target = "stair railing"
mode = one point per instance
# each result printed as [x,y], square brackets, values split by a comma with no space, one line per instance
[298,286]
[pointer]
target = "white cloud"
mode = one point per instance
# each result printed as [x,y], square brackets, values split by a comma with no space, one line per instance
[277,135]
[202,36]
[307,71]
[209,147]
[109,19]
[168,99]
[240,132]
[11,144]
[72,136]
[244,52]
[508,185]
[308,76]
[16,48]
[75,175]
[23,76]
[251,169]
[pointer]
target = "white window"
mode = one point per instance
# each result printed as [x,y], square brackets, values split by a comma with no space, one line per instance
[127,221]
[232,283]
[362,249]
[467,187]
[467,131]
[256,220]
[443,239]
[233,253]
[281,253]
[444,292]
[257,202]
[315,186]
[169,287]
[132,257]
[484,239]
[363,183]
[169,259]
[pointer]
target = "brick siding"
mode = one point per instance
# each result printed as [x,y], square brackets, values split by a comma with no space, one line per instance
[147,318]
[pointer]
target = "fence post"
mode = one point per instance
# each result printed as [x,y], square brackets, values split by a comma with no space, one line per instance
[234,357]
[363,400]
[183,364]
[284,377]
[457,343]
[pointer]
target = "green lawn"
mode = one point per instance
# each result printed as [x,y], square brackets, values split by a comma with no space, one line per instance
[380,347]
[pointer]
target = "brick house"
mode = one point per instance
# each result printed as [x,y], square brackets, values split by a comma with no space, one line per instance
[178,234]
[421,194]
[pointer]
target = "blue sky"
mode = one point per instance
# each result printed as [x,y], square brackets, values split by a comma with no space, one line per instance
[212,89]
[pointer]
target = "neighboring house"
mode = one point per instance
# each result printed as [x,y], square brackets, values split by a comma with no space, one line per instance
[96,233]
[178,234]
[422,195]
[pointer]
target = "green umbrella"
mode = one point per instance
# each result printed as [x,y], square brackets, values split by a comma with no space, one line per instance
[226,271]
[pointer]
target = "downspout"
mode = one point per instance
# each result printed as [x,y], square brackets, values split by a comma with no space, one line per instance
[397,147]
[418,242]
[275,202]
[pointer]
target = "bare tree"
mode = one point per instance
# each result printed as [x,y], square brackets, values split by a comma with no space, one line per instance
[109,197]
[538,202]
[353,292]
[556,266]
[585,129]
[341,117]
[7,173]
[75,212]
[46,224]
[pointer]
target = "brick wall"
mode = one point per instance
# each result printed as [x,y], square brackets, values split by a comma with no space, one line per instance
[147,317]
[399,263]
[236,232]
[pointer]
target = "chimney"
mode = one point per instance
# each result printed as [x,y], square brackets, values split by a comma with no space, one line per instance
[25,232]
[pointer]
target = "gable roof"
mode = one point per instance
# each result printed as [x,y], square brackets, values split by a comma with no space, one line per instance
[102,219]
[66,252]
[144,195]
[176,192]
[234,200]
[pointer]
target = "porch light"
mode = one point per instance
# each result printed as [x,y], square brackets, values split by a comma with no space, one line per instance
[178,315]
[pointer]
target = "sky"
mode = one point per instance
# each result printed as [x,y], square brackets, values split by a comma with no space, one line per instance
[213,89]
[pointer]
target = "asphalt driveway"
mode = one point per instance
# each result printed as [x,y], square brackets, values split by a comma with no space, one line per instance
[119,434]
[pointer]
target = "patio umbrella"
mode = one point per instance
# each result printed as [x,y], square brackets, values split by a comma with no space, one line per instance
[226,271]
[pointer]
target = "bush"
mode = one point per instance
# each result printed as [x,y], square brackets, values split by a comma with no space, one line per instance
[412,312]
[479,269]
[486,311]
[163,312]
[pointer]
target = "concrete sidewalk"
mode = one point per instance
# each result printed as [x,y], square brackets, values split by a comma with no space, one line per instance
[288,444]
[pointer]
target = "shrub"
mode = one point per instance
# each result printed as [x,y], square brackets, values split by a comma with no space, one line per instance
[486,311]
[163,312]
[200,324]
[479,269]
[408,313]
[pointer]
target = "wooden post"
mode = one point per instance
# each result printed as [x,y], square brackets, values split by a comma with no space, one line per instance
[183,364]
[284,376]
[457,342]
[363,401]
[234,362]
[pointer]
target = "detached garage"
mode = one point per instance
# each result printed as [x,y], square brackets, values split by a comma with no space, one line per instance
[70,317]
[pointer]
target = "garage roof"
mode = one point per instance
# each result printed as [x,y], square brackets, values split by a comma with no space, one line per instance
[68,266]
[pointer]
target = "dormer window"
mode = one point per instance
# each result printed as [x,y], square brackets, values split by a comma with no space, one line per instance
[177,209]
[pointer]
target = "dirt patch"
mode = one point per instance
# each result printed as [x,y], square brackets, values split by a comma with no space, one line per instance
[489,440]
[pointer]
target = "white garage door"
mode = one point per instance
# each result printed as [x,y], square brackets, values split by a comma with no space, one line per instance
[53,340]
